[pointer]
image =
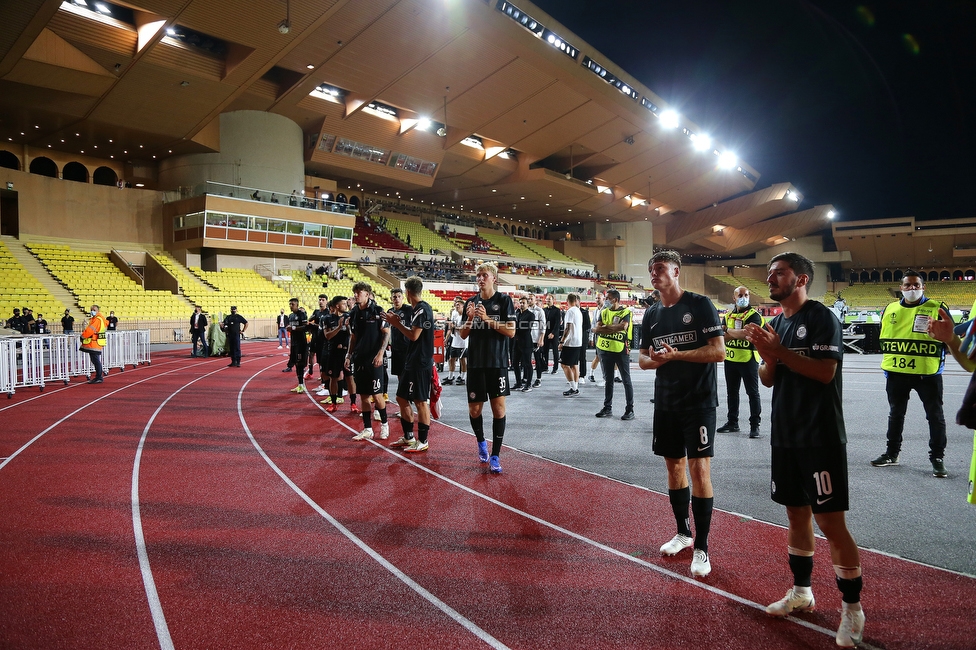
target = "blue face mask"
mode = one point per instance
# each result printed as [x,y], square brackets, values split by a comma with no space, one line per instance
[742,303]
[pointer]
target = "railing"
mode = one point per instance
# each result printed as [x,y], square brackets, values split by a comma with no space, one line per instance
[47,358]
[296,199]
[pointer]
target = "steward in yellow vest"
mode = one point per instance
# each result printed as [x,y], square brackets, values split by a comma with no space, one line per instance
[741,363]
[93,339]
[913,360]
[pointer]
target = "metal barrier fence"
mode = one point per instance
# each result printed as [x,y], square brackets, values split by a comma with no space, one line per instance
[40,359]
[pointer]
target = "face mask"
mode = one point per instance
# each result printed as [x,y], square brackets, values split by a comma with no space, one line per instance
[742,302]
[93,312]
[912,295]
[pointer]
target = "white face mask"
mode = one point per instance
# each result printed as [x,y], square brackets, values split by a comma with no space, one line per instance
[742,302]
[912,295]
[93,312]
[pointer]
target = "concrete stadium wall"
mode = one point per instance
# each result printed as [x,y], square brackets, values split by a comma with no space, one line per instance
[50,207]
[257,149]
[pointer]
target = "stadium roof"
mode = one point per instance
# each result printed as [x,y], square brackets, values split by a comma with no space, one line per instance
[540,127]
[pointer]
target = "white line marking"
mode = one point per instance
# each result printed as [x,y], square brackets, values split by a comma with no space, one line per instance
[586,540]
[63,388]
[386,564]
[155,606]
[82,408]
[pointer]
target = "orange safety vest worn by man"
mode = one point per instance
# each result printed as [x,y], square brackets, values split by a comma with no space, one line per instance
[93,340]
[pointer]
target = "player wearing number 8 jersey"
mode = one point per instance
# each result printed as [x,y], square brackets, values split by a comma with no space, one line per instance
[681,339]
[802,356]
[913,360]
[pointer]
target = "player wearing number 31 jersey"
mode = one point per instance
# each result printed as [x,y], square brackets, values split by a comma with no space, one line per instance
[802,357]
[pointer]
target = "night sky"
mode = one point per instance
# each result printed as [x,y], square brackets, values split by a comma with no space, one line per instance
[870,107]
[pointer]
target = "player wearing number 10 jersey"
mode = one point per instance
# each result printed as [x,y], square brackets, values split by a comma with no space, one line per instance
[802,357]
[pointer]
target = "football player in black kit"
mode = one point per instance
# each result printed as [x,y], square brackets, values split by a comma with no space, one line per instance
[297,326]
[320,344]
[488,326]
[369,336]
[681,337]
[802,353]
[417,372]
[336,329]
[398,342]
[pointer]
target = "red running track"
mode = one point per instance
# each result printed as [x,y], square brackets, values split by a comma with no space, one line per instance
[191,505]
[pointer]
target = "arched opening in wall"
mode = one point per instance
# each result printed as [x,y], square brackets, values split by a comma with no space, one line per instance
[75,171]
[875,276]
[505,228]
[933,276]
[969,274]
[105,176]
[354,201]
[865,276]
[897,275]
[957,275]
[9,160]
[886,276]
[854,277]
[520,231]
[945,275]
[44,167]
[340,198]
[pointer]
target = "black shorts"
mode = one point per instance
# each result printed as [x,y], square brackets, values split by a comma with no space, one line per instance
[570,356]
[415,384]
[397,359]
[368,378]
[810,476]
[678,434]
[457,353]
[335,365]
[486,384]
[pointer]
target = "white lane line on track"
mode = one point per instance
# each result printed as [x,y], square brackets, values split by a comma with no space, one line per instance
[382,561]
[586,540]
[64,388]
[152,596]
[82,408]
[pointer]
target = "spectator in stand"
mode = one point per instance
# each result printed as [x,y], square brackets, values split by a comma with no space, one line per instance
[28,319]
[40,325]
[113,321]
[67,322]
[308,271]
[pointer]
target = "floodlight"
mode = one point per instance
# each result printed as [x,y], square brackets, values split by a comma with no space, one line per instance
[831,214]
[423,123]
[701,142]
[792,196]
[102,8]
[670,119]
[727,160]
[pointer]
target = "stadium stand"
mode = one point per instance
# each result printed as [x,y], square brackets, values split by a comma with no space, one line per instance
[370,234]
[551,254]
[511,247]
[93,279]
[254,296]
[18,288]
[420,237]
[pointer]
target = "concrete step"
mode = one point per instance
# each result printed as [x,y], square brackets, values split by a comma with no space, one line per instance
[29,262]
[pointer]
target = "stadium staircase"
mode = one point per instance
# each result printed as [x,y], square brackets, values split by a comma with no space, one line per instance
[58,293]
